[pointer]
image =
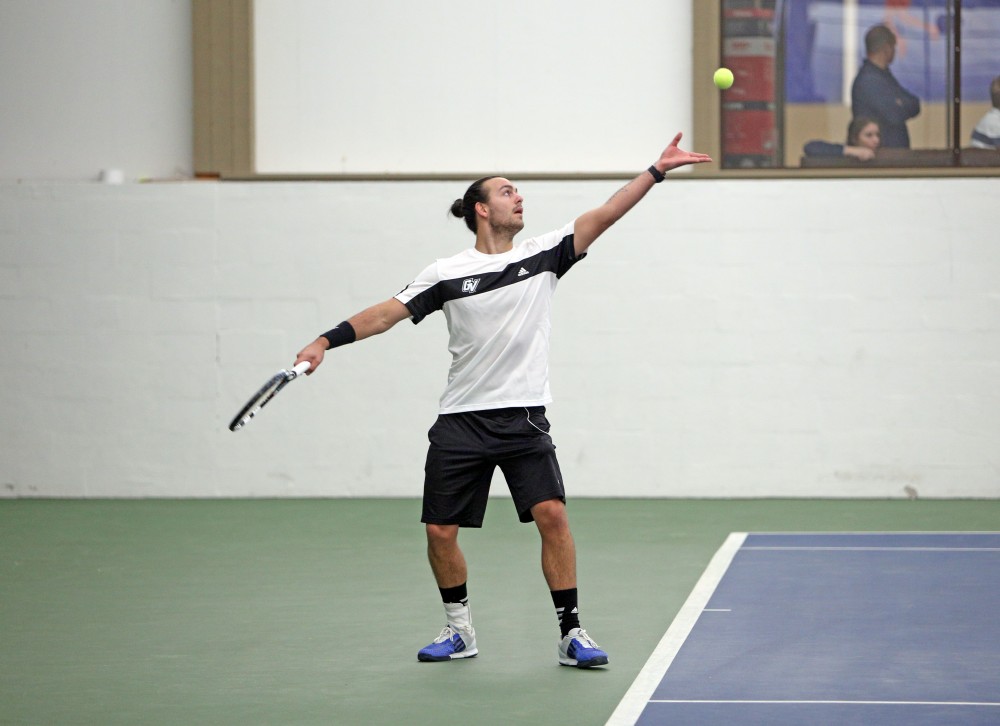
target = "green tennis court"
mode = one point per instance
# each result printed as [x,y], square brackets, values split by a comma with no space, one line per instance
[311,611]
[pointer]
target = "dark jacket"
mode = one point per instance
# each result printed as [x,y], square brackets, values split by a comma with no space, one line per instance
[823,148]
[877,94]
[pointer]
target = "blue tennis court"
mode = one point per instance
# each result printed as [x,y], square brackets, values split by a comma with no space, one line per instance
[865,628]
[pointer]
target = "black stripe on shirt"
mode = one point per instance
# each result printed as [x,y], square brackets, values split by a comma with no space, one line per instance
[557,259]
[984,139]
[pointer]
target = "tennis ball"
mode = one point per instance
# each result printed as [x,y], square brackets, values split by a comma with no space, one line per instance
[723,78]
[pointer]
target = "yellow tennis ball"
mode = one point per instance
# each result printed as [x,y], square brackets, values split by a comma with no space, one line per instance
[723,78]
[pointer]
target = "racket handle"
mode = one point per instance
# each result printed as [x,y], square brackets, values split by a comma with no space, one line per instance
[301,367]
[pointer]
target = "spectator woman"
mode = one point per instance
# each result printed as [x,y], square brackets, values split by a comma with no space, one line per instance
[863,138]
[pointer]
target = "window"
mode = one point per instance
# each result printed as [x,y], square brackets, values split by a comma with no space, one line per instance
[795,95]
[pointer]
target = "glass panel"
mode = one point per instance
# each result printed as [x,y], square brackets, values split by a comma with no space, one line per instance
[751,137]
[796,63]
[981,74]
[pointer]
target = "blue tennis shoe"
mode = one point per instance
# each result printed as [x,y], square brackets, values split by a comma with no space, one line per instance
[577,649]
[451,644]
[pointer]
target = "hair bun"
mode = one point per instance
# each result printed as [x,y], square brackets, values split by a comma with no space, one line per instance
[458,208]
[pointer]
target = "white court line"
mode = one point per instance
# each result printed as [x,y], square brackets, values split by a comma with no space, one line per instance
[638,695]
[644,685]
[875,549]
[875,533]
[850,703]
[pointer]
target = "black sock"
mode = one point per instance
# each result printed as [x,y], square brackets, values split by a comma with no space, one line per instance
[566,609]
[459,593]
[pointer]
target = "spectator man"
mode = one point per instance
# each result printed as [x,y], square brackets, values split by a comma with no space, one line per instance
[877,94]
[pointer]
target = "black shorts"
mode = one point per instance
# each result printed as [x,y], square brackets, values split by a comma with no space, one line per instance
[465,450]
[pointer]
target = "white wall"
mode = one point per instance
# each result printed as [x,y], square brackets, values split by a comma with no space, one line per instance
[88,85]
[727,338]
[744,338]
[449,86]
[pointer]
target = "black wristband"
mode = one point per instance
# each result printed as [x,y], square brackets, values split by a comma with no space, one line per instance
[341,335]
[657,175]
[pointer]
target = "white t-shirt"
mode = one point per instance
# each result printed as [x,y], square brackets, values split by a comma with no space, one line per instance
[498,309]
[986,135]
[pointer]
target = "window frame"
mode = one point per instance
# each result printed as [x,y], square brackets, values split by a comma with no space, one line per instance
[223,123]
[707,124]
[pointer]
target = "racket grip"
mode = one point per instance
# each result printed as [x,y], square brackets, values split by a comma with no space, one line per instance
[301,367]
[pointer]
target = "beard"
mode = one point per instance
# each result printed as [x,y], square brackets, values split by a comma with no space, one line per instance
[507,228]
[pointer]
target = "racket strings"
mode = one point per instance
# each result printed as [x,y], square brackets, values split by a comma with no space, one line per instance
[262,397]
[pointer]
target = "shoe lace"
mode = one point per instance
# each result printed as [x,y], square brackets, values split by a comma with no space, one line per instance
[447,632]
[586,640]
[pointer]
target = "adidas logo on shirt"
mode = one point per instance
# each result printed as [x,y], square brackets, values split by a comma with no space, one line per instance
[522,272]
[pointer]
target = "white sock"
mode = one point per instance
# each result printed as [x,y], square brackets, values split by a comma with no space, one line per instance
[459,615]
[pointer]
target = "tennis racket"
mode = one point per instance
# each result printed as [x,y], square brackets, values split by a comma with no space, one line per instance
[268,391]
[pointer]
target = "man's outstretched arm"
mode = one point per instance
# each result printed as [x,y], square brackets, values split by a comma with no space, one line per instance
[593,224]
[370,321]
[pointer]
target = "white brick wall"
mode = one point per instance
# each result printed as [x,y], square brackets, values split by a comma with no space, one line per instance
[727,338]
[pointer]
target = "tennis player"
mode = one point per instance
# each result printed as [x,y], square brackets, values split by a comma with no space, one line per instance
[497,299]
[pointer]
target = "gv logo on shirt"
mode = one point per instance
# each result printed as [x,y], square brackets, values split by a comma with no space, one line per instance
[470,284]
